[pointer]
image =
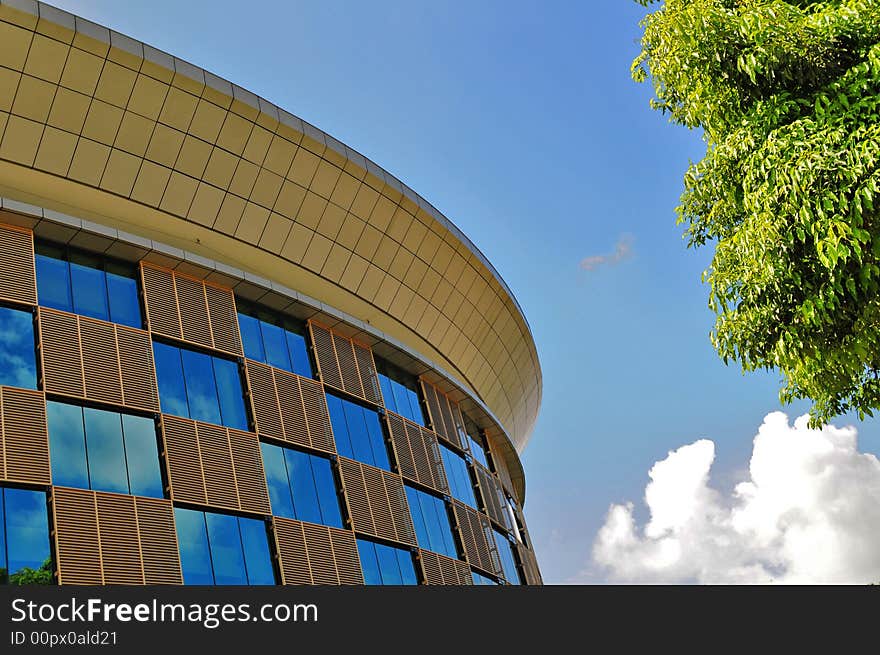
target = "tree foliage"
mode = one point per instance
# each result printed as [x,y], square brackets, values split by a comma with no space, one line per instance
[28,576]
[787,93]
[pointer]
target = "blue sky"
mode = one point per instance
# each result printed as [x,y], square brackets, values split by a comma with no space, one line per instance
[520,122]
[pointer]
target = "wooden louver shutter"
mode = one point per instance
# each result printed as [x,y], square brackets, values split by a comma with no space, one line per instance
[418,453]
[377,502]
[17,277]
[107,538]
[345,364]
[182,307]
[290,407]
[315,554]
[441,570]
[24,446]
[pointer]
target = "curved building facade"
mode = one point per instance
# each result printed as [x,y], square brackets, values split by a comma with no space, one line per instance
[232,349]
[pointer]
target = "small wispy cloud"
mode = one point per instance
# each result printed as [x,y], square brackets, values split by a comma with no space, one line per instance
[622,250]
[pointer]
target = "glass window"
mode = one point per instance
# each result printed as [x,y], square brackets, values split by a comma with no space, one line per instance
[508,562]
[400,391]
[358,432]
[301,486]
[89,287]
[141,453]
[252,340]
[386,565]
[201,389]
[169,375]
[476,443]
[227,556]
[273,339]
[277,481]
[431,521]
[299,353]
[18,360]
[122,292]
[222,549]
[24,537]
[53,280]
[232,411]
[460,485]
[87,284]
[199,386]
[105,451]
[513,520]
[192,542]
[257,560]
[67,445]
[369,563]
[482,579]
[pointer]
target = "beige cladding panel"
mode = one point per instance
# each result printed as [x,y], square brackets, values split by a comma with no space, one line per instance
[111,128]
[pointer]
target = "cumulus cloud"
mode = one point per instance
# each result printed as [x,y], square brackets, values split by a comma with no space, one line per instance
[622,250]
[808,512]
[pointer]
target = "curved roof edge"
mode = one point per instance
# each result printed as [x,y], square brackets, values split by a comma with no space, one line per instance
[201,76]
[52,18]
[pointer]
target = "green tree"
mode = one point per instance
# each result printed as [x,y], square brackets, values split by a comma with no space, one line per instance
[27,575]
[787,94]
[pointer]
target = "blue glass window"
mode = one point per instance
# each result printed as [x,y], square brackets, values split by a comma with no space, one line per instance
[221,549]
[24,537]
[199,386]
[87,284]
[482,580]
[460,485]
[476,442]
[431,521]
[301,486]
[141,456]
[386,565]
[273,339]
[18,360]
[400,391]
[508,562]
[358,433]
[105,451]
[192,542]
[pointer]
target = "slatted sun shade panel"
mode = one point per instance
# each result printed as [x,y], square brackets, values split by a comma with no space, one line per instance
[95,360]
[315,554]
[493,496]
[192,310]
[289,407]
[24,446]
[77,545]
[158,539]
[445,415]
[105,538]
[17,275]
[345,364]
[529,565]
[418,453]
[120,553]
[215,466]
[377,502]
[441,570]
[476,536]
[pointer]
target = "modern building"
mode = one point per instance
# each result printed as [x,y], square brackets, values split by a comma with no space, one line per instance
[233,350]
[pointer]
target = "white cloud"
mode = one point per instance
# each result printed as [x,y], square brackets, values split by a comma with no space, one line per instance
[622,250]
[809,512]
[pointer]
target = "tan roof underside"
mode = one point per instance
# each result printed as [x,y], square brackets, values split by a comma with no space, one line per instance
[95,130]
